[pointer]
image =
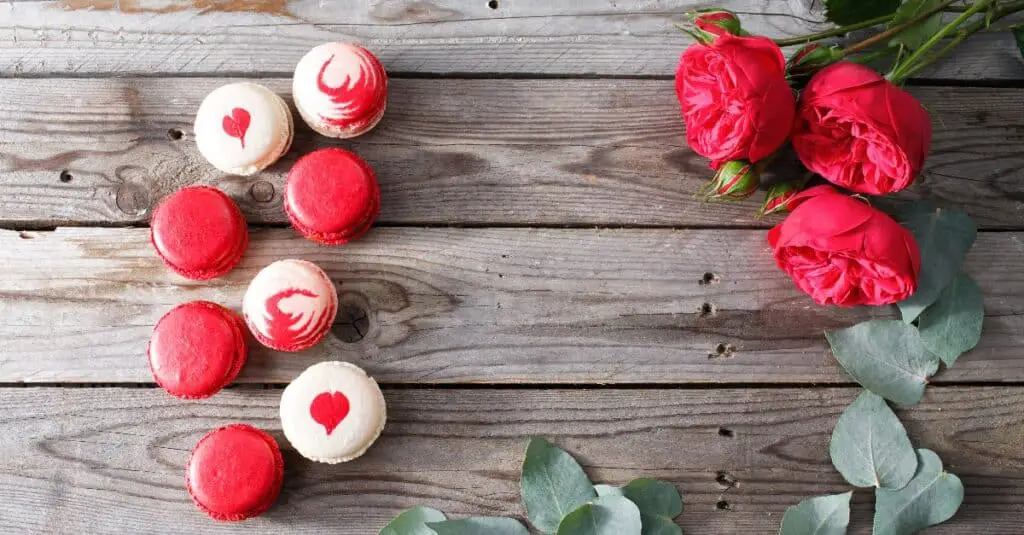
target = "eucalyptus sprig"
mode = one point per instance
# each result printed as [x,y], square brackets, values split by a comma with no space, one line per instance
[561,500]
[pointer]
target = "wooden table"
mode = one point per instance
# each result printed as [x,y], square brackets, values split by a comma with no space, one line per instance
[539,268]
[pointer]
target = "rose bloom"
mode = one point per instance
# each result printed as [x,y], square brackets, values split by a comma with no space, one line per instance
[861,132]
[735,98]
[841,251]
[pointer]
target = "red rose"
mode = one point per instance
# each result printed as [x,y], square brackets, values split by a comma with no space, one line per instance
[841,251]
[735,98]
[861,132]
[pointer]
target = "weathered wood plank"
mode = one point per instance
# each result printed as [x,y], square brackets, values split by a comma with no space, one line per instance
[531,152]
[439,36]
[478,305]
[111,460]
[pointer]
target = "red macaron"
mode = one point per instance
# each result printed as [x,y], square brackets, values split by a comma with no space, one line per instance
[331,196]
[197,349]
[235,473]
[199,232]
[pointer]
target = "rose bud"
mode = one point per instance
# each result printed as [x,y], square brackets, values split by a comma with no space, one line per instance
[812,58]
[842,251]
[735,98]
[780,198]
[860,131]
[734,181]
[710,23]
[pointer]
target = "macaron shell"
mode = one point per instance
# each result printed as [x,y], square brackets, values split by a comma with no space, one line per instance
[340,89]
[333,412]
[235,472]
[242,128]
[331,196]
[199,232]
[197,349]
[290,305]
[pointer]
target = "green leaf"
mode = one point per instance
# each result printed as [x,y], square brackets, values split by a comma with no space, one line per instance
[932,497]
[659,502]
[845,12]
[606,515]
[413,522]
[952,325]
[479,526]
[885,356]
[1018,35]
[822,515]
[552,485]
[915,36]
[944,236]
[870,447]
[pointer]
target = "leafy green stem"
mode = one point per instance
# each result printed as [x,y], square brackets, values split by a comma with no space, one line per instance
[834,32]
[889,33]
[911,64]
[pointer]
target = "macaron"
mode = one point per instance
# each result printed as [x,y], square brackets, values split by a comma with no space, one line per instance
[331,196]
[199,232]
[197,349]
[340,89]
[290,305]
[243,128]
[332,412]
[235,472]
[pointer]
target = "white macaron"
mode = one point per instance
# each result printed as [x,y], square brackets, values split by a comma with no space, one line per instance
[340,89]
[243,128]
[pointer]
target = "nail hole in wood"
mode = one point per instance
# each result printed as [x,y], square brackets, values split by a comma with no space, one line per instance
[723,505]
[723,351]
[493,4]
[727,433]
[175,134]
[65,176]
[707,309]
[725,479]
[709,278]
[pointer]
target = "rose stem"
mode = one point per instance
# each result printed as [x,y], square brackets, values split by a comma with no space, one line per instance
[877,38]
[901,71]
[834,31]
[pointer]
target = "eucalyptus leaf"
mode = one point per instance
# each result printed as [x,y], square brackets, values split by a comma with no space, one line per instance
[870,447]
[479,526]
[944,236]
[914,36]
[845,12]
[1018,35]
[605,515]
[553,485]
[413,522]
[885,356]
[932,497]
[659,502]
[821,515]
[952,325]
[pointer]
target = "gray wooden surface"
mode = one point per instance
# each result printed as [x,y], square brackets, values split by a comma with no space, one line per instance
[540,268]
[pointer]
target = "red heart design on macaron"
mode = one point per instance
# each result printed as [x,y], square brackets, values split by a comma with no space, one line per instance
[329,409]
[237,124]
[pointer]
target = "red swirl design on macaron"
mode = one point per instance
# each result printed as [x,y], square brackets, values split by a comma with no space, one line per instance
[359,95]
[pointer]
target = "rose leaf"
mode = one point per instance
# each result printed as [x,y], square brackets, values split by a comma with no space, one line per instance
[932,497]
[606,515]
[886,357]
[951,326]
[870,447]
[821,515]
[413,522]
[478,525]
[659,502]
[845,12]
[944,236]
[915,36]
[553,485]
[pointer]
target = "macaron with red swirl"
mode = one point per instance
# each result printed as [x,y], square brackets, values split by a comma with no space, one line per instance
[290,305]
[340,89]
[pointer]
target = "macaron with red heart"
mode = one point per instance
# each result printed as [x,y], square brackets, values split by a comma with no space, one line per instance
[197,349]
[332,412]
[331,196]
[243,128]
[199,232]
[340,89]
[235,472]
[290,305]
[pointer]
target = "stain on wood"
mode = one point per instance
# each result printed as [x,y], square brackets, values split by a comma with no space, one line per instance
[270,7]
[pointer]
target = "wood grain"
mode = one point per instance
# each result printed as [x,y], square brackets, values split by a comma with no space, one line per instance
[523,152]
[523,37]
[478,305]
[111,460]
